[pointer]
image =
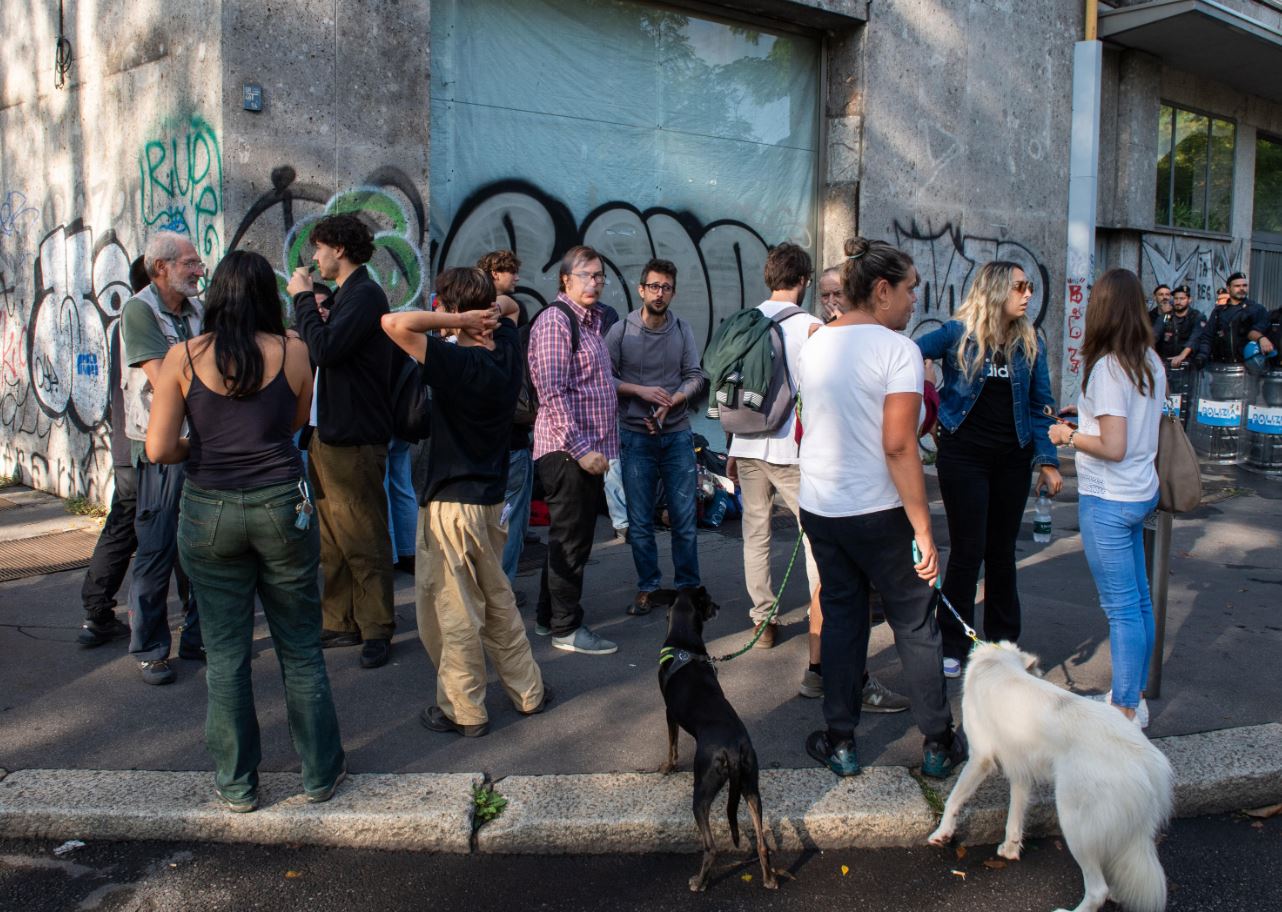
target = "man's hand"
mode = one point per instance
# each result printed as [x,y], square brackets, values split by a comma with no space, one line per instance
[478,322]
[594,463]
[660,414]
[928,567]
[299,282]
[1178,359]
[655,395]
[1265,345]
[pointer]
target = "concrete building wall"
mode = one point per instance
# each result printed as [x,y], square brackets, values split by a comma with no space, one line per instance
[966,116]
[130,144]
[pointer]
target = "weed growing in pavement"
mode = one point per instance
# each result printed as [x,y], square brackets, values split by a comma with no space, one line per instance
[8,481]
[487,804]
[933,798]
[83,506]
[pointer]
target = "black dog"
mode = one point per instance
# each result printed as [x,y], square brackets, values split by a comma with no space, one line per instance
[723,750]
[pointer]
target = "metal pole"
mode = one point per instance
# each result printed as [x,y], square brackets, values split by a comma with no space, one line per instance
[1159,555]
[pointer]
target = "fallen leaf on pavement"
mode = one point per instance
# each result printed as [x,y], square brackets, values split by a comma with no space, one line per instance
[844,870]
[290,875]
[961,852]
[995,863]
[746,878]
[961,874]
[1271,810]
[1059,846]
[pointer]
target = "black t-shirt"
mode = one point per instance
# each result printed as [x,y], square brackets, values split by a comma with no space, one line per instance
[474,392]
[519,439]
[991,422]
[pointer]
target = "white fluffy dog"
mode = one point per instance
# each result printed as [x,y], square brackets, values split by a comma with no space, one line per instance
[1112,787]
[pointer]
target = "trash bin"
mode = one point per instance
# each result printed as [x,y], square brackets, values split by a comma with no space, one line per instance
[1179,388]
[1264,424]
[1219,414]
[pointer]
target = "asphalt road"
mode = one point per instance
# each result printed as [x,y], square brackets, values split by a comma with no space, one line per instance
[1227,863]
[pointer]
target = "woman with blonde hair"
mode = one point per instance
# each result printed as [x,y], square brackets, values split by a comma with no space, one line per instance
[1119,410]
[992,431]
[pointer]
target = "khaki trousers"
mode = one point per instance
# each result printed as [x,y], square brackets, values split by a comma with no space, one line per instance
[759,482]
[466,611]
[356,547]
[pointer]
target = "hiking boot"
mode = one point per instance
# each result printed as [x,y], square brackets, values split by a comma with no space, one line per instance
[767,638]
[375,653]
[952,668]
[839,757]
[434,719]
[238,805]
[939,759]
[812,685]
[325,794]
[157,672]
[331,639]
[585,641]
[878,698]
[96,633]
[548,696]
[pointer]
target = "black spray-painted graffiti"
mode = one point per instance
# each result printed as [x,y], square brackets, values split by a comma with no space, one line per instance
[719,264]
[946,260]
[1202,265]
[387,199]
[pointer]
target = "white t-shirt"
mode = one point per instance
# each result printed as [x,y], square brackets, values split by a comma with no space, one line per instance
[780,447]
[846,373]
[1111,392]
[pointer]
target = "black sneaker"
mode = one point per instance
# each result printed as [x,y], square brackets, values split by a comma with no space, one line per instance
[548,696]
[96,633]
[839,757]
[333,638]
[434,719]
[939,759]
[192,653]
[157,672]
[375,653]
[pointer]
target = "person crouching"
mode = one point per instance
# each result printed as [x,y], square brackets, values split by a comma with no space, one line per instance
[465,606]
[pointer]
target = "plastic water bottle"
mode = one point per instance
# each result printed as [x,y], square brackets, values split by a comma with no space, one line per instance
[1042,518]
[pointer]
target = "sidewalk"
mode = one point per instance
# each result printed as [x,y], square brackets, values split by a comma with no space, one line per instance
[66,709]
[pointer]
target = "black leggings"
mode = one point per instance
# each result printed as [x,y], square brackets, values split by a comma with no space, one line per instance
[985,492]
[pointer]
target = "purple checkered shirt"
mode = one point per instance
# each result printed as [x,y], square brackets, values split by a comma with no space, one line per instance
[578,404]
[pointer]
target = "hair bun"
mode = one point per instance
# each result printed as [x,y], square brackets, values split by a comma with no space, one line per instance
[857,247]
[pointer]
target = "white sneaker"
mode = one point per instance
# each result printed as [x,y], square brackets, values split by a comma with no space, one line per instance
[952,668]
[1141,712]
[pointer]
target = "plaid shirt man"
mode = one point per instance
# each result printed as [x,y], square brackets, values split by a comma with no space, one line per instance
[578,405]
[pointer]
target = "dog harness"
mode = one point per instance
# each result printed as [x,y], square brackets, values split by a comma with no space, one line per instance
[672,660]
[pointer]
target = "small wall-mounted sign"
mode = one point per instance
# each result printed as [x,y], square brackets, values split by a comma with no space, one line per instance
[253,97]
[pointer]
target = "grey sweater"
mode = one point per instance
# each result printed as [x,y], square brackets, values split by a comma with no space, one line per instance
[666,357]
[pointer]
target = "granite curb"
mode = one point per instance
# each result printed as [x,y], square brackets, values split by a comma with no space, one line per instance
[1215,772]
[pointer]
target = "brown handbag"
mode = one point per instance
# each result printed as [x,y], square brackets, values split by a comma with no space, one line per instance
[1179,477]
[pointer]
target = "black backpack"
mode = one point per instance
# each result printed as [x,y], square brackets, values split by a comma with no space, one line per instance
[527,403]
[411,402]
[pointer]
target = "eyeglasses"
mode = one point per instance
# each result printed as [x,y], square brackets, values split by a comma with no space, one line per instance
[597,278]
[191,264]
[659,287]
[1023,285]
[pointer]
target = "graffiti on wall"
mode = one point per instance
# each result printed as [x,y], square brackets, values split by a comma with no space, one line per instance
[719,264]
[946,260]
[1201,264]
[180,174]
[387,200]
[13,210]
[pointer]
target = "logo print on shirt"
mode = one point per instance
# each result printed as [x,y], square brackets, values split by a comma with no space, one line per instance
[999,370]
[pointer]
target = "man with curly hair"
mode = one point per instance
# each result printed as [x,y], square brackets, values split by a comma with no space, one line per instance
[352,420]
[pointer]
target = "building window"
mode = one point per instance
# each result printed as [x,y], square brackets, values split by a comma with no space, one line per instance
[1268,185]
[1194,170]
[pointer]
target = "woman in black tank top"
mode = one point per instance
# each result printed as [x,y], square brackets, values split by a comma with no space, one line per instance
[245,526]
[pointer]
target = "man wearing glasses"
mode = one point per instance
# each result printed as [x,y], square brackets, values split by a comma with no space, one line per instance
[575,437]
[657,373]
[162,315]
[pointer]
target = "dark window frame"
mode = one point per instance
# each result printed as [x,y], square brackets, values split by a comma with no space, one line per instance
[1169,152]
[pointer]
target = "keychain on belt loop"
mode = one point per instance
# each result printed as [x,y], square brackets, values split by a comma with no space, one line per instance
[304,508]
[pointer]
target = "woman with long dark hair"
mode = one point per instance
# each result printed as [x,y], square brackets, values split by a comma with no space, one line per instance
[246,526]
[863,504]
[1119,410]
[996,387]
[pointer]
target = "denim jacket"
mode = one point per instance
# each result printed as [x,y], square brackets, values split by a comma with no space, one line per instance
[1029,394]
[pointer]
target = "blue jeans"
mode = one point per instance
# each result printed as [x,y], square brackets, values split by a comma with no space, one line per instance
[516,501]
[402,505]
[156,525]
[235,545]
[614,495]
[1113,538]
[646,459]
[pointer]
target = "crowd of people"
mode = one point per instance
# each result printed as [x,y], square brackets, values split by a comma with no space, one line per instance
[257,458]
